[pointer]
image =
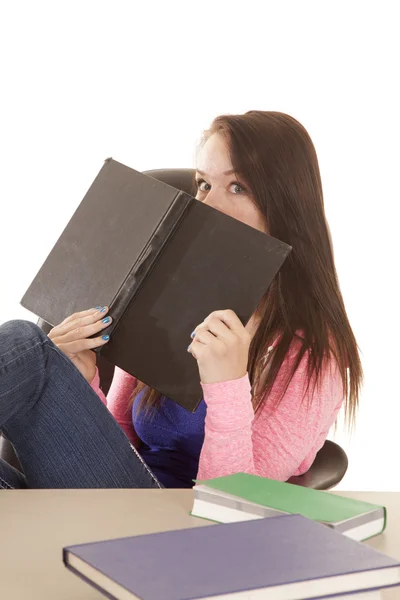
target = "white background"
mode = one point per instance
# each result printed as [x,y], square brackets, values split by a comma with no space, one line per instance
[81,81]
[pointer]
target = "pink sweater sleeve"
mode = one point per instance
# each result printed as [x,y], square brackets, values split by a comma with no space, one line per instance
[118,400]
[280,440]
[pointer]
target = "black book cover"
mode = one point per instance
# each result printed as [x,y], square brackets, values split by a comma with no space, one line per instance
[162,261]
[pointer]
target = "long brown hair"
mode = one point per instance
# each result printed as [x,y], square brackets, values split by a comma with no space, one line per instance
[274,155]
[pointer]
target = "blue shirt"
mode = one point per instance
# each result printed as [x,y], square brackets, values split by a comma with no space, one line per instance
[172,438]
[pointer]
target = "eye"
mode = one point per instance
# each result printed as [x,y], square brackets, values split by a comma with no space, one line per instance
[236,188]
[202,185]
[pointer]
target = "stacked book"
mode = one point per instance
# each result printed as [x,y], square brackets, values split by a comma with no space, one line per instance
[242,497]
[288,557]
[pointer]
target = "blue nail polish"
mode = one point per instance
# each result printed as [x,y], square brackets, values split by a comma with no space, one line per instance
[192,334]
[97,307]
[106,320]
[105,337]
[103,309]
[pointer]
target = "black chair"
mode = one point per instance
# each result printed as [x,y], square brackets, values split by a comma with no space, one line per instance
[330,463]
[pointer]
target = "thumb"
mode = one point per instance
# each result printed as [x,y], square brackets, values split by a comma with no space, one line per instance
[253,324]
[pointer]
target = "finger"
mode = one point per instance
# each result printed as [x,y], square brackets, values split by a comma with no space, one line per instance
[217,328]
[72,323]
[94,317]
[80,345]
[230,319]
[204,336]
[193,349]
[86,313]
[252,325]
[82,332]
[197,348]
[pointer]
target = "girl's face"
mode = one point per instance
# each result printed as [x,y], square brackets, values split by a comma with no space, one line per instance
[218,187]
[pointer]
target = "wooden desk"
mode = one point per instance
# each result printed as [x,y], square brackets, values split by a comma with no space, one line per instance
[36,524]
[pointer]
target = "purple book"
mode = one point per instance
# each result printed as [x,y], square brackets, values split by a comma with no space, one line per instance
[288,558]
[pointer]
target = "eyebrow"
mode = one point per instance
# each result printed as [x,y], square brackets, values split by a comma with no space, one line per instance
[230,172]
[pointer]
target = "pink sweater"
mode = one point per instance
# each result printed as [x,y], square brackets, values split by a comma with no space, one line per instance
[276,442]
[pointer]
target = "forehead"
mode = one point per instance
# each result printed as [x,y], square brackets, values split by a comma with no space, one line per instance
[213,157]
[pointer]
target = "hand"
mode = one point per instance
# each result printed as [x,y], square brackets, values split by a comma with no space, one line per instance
[71,337]
[221,346]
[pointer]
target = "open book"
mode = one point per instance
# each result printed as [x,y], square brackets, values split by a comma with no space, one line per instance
[162,261]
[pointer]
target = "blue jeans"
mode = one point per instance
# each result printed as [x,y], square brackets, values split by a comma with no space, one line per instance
[63,434]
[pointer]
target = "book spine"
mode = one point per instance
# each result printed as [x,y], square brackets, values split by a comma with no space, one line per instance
[89,581]
[144,264]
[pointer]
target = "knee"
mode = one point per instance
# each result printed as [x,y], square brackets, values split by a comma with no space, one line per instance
[22,331]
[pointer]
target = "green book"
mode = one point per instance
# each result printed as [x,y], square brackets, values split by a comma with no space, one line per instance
[242,497]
